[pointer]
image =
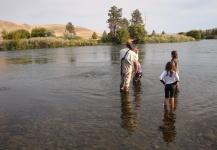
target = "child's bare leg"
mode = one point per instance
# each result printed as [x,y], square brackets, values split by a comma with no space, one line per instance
[172,101]
[165,101]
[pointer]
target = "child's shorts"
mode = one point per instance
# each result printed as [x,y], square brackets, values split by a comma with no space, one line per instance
[169,90]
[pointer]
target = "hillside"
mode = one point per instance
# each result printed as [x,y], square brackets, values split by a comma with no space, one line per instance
[58,28]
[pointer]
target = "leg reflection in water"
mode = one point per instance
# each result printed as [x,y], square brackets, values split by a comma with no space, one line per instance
[168,128]
[128,116]
[137,91]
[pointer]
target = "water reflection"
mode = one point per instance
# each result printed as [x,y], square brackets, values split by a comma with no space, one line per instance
[137,91]
[41,60]
[128,116]
[168,128]
[72,58]
[19,60]
[28,60]
[115,54]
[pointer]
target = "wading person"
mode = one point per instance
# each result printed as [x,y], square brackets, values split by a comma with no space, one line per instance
[169,78]
[128,60]
[138,75]
[174,56]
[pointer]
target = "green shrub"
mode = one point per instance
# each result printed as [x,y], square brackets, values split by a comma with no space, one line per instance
[195,34]
[38,32]
[17,34]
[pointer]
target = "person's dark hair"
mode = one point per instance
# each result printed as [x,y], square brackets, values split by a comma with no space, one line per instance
[129,45]
[170,67]
[174,54]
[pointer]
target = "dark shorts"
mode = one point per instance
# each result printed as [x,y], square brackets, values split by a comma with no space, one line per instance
[169,90]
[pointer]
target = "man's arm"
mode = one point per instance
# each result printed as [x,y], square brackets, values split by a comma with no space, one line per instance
[136,66]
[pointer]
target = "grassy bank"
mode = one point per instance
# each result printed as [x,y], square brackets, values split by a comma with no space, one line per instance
[39,43]
[168,38]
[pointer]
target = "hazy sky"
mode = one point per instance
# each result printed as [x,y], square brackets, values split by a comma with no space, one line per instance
[170,16]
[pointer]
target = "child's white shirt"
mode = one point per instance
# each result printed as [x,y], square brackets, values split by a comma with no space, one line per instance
[167,79]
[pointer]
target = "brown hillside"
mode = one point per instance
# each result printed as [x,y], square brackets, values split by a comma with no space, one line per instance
[58,28]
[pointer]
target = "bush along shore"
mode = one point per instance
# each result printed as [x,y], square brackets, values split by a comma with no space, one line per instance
[53,42]
[168,38]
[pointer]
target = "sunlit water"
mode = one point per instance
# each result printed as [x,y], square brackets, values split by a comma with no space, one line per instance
[68,98]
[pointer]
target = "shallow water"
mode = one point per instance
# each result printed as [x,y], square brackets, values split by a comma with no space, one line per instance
[68,98]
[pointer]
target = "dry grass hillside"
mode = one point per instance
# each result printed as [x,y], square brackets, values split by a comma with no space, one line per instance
[58,28]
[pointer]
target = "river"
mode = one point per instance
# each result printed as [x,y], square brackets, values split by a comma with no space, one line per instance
[68,98]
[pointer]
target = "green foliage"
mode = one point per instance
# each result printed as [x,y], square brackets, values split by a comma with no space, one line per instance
[4,34]
[45,42]
[105,37]
[153,33]
[195,34]
[124,23]
[17,34]
[70,28]
[168,38]
[68,35]
[49,33]
[122,35]
[114,20]
[38,32]
[163,33]
[104,33]
[209,37]
[136,17]
[209,34]
[182,33]
[137,32]
[94,35]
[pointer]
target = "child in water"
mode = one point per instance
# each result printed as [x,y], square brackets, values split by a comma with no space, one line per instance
[174,56]
[169,78]
[138,75]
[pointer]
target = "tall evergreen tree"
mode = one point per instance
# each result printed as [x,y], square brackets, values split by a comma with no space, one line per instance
[114,20]
[94,35]
[153,33]
[124,23]
[70,28]
[104,33]
[136,17]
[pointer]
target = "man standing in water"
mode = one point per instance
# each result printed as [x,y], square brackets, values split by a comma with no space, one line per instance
[128,60]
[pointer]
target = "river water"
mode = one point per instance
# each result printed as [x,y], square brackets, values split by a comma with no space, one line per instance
[68,98]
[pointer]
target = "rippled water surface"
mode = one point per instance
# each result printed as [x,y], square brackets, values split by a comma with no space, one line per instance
[68,98]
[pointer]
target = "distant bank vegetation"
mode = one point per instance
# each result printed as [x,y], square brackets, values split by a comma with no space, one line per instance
[43,38]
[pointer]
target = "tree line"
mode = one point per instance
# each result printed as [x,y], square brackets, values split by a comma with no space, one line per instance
[122,29]
[199,34]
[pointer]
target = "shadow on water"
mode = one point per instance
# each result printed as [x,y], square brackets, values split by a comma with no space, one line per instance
[168,128]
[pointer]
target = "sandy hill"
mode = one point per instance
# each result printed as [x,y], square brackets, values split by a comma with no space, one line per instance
[58,28]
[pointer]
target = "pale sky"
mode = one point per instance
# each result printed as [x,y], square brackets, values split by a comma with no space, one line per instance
[170,16]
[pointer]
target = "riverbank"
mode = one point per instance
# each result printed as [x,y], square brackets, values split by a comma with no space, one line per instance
[53,42]
[46,42]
